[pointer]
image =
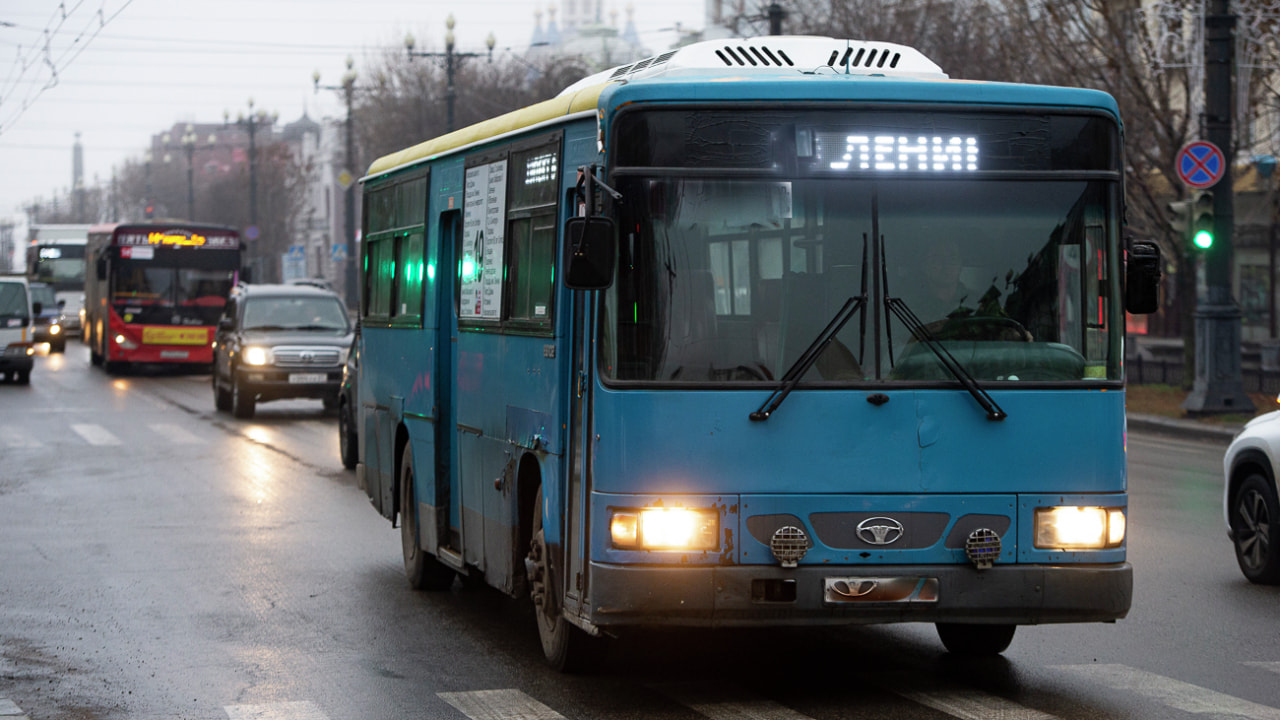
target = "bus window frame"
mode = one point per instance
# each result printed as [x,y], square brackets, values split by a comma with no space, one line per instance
[506,323]
[396,234]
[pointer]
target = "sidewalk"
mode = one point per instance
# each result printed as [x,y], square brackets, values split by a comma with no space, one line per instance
[1187,429]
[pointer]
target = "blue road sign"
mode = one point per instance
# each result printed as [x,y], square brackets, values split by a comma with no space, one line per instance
[1200,164]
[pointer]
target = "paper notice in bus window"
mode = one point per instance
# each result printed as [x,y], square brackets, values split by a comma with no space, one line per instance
[138,253]
[483,228]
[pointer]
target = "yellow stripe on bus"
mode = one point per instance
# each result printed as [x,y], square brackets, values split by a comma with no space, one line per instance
[581,101]
[175,336]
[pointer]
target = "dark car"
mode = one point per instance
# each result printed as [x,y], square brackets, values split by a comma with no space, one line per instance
[349,407]
[50,325]
[279,341]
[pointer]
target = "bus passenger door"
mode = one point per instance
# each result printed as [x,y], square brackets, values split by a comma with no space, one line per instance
[574,582]
[436,526]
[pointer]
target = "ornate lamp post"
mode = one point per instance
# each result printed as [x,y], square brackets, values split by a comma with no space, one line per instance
[251,122]
[188,144]
[348,88]
[450,62]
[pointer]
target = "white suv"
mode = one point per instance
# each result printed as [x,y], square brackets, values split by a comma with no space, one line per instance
[1249,499]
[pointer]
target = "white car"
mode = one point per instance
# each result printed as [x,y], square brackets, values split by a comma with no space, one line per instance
[1249,499]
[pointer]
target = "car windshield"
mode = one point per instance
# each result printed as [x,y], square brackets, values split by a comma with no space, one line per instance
[318,313]
[13,302]
[44,295]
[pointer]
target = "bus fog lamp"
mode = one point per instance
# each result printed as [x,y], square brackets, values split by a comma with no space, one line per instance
[665,529]
[1079,528]
[789,544]
[982,547]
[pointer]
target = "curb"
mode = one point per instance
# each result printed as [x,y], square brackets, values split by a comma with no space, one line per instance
[1187,429]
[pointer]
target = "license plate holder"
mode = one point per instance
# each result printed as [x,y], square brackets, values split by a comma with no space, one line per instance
[307,378]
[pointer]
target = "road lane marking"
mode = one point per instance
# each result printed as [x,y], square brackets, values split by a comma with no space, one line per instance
[1174,693]
[1272,666]
[176,434]
[974,705]
[276,711]
[499,705]
[745,705]
[95,434]
[13,436]
[11,711]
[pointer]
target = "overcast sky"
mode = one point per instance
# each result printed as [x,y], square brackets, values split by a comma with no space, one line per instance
[118,71]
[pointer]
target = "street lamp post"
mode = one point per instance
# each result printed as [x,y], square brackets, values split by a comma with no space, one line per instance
[450,62]
[251,122]
[188,144]
[348,88]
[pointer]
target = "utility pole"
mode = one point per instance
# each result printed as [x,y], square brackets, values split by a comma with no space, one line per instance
[1219,384]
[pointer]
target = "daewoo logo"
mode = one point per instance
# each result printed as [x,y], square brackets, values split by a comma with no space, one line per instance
[880,530]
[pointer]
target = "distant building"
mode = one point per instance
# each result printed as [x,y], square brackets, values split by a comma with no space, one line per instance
[586,34]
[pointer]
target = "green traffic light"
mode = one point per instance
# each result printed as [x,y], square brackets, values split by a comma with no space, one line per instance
[1203,239]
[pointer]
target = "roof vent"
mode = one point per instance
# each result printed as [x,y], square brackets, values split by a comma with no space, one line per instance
[774,53]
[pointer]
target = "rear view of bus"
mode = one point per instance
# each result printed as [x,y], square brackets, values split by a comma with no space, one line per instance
[838,340]
[154,291]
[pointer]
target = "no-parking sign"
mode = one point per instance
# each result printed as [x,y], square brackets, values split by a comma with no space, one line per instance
[1200,164]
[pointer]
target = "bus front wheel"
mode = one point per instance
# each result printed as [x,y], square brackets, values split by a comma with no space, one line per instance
[423,571]
[567,648]
[976,640]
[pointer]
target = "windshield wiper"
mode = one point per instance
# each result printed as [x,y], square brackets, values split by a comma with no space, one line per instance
[922,334]
[806,360]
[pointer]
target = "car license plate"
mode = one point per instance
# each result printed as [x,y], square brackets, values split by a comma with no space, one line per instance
[841,590]
[175,354]
[305,378]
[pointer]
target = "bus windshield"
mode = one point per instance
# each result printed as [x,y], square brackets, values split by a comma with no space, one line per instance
[62,266]
[157,295]
[729,280]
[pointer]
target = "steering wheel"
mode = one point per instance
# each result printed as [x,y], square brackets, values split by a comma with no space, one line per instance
[756,371]
[983,327]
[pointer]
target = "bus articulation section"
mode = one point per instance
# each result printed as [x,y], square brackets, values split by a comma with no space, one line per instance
[154,291]
[780,331]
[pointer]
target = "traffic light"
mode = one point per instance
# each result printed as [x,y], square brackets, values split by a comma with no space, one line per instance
[151,211]
[1180,217]
[1202,220]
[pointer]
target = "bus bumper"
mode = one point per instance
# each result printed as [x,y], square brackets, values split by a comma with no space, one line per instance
[746,596]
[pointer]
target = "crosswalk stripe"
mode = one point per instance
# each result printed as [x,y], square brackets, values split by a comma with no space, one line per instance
[13,436]
[743,705]
[95,434]
[499,705]
[276,711]
[974,705]
[176,434]
[1174,693]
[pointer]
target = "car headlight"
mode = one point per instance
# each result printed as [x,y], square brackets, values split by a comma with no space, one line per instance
[254,355]
[665,529]
[55,328]
[1079,528]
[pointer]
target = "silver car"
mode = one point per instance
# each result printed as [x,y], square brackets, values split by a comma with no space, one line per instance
[1249,499]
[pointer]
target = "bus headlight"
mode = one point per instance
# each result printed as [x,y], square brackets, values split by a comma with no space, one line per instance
[1079,528]
[125,342]
[254,355]
[665,529]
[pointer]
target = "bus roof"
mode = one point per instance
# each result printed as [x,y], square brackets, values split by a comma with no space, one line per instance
[787,68]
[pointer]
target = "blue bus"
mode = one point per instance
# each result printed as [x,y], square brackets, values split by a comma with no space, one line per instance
[781,331]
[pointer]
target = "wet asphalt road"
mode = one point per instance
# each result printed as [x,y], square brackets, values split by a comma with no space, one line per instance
[161,560]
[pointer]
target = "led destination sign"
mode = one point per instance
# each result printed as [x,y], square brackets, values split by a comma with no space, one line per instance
[897,152]
[177,238]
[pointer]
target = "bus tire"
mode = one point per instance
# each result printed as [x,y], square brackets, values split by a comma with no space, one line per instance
[242,402]
[1255,522]
[347,436]
[423,571]
[567,648]
[976,640]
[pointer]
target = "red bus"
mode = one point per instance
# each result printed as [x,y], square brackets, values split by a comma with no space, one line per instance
[154,291]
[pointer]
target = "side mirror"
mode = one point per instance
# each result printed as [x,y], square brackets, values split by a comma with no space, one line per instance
[102,268]
[226,323]
[62,304]
[1142,279]
[589,252]
[37,307]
